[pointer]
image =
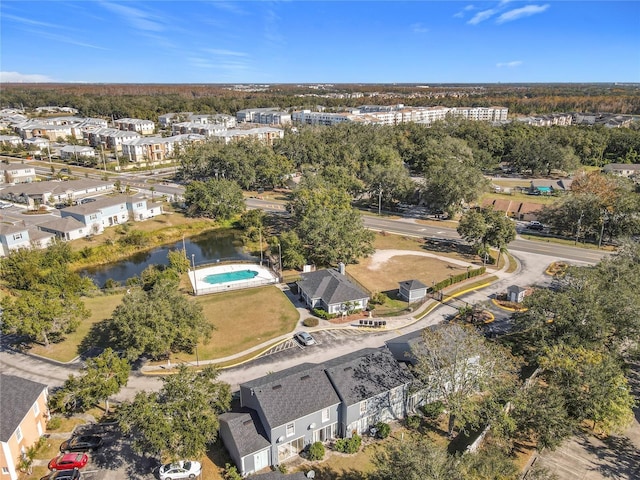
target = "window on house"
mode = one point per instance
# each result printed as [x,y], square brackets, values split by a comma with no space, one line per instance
[363,407]
[5,471]
[139,205]
[291,429]
[325,415]
[17,236]
[18,433]
[36,408]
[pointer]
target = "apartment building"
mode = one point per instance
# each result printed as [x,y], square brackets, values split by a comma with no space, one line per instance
[143,127]
[24,420]
[156,149]
[265,116]
[16,173]
[110,137]
[266,135]
[307,117]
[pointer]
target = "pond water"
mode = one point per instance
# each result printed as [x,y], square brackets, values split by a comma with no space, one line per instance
[208,248]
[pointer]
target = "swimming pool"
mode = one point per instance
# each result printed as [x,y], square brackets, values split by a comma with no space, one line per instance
[230,276]
[222,278]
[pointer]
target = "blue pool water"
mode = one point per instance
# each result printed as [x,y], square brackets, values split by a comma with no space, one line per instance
[230,276]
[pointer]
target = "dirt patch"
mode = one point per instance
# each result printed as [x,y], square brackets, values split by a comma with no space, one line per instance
[383,272]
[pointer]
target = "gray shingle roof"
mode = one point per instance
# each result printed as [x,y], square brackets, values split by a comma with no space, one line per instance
[412,284]
[366,374]
[246,431]
[92,207]
[331,286]
[293,393]
[64,224]
[17,395]
[279,476]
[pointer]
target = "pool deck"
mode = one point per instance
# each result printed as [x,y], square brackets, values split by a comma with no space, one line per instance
[200,287]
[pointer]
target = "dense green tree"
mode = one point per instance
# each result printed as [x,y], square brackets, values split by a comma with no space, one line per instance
[489,462]
[487,228]
[219,199]
[593,385]
[539,155]
[43,314]
[178,261]
[181,419]
[292,250]
[328,226]
[414,458]
[157,322]
[457,363]
[104,376]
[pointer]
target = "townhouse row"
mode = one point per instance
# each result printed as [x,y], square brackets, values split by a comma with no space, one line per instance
[282,413]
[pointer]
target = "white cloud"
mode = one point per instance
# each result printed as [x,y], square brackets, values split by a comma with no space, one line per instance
[226,53]
[521,13]
[419,28]
[482,16]
[17,77]
[135,17]
[462,12]
[66,39]
[229,7]
[515,63]
[29,21]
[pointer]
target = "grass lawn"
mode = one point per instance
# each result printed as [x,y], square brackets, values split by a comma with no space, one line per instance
[101,308]
[520,197]
[399,242]
[243,319]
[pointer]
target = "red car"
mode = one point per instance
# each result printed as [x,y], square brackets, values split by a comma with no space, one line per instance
[67,461]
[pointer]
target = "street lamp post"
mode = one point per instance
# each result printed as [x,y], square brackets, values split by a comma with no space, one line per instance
[380,202]
[280,259]
[197,358]
[193,266]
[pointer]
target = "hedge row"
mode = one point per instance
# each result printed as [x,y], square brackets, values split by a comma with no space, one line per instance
[457,278]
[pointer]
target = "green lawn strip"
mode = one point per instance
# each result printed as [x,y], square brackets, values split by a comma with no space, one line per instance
[565,241]
[244,319]
[101,308]
[484,282]
[513,263]
[520,197]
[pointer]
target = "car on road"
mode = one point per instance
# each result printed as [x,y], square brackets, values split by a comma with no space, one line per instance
[87,200]
[81,443]
[5,205]
[63,475]
[535,226]
[68,461]
[304,338]
[181,469]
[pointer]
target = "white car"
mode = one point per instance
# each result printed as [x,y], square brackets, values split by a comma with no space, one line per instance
[181,469]
[5,205]
[304,338]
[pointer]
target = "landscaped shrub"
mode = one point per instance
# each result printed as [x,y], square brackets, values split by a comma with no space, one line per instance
[231,472]
[54,423]
[378,298]
[316,451]
[318,312]
[382,429]
[349,445]
[310,322]
[457,278]
[282,468]
[413,422]
[433,410]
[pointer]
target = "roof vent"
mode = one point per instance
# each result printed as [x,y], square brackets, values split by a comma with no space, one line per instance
[346,369]
[306,377]
[247,422]
[276,387]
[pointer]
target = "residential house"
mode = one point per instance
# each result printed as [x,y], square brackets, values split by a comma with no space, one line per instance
[622,169]
[548,187]
[525,211]
[331,291]
[412,290]
[283,412]
[66,228]
[96,216]
[76,152]
[10,140]
[13,237]
[36,144]
[16,173]
[109,211]
[23,404]
[143,127]
[54,191]
[372,386]
[41,128]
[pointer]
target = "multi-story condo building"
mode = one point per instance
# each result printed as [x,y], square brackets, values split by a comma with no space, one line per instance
[156,149]
[110,137]
[266,116]
[263,134]
[143,127]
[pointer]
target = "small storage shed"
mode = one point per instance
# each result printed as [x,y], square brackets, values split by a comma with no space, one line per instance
[516,293]
[412,290]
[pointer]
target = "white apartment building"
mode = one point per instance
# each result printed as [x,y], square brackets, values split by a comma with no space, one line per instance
[266,116]
[156,149]
[110,137]
[208,130]
[266,135]
[308,117]
[143,127]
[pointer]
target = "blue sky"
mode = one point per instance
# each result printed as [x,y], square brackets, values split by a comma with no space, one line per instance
[210,41]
